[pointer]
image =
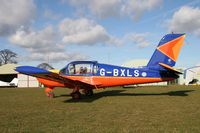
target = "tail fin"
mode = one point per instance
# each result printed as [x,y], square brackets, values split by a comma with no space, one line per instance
[167,50]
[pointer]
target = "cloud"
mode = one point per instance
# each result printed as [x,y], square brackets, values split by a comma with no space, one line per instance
[186,19]
[105,8]
[138,38]
[83,31]
[115,8]
[14,14]
[87,32]
[55,57]
[50,42]
[43,45]
[136,8]
[99,8]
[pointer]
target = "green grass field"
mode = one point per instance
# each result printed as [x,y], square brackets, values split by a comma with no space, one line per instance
[143,109]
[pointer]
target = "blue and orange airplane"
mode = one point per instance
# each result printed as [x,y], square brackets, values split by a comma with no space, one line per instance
[89,75]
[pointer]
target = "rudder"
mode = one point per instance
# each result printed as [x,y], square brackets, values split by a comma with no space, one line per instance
[167,50]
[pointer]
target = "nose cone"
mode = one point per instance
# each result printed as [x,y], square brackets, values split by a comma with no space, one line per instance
[55,71]
[30,70]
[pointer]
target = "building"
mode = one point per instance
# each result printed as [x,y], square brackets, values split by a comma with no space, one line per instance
[180,80]
[8,74]
[192,75]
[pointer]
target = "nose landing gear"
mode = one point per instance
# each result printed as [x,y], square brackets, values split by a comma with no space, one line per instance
[49,92]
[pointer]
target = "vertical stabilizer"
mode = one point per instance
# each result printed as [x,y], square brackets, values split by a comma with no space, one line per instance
[167,50]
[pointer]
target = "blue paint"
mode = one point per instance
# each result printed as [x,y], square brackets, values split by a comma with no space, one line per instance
[168,38]
[159,57]
[31,70]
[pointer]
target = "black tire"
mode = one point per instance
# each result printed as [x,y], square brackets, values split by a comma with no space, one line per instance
[89,93]
[76,95]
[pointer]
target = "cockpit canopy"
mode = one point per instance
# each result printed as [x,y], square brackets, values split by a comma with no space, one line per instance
[80,68]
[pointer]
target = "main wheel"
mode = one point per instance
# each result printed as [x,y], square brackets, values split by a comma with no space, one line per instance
[76,95]
[89,92]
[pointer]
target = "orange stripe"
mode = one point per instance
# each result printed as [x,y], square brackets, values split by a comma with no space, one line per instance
[104,81]
[117,81]
[50,83]
[172,48]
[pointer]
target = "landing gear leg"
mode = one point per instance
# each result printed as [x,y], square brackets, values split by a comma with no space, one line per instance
[49,92]
[76,94]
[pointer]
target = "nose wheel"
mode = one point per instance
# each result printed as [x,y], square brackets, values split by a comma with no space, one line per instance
[49,92]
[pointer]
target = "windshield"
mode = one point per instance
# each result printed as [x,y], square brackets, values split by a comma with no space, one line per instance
[80,69]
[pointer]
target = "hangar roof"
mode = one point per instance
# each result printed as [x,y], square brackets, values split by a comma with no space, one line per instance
[8,69]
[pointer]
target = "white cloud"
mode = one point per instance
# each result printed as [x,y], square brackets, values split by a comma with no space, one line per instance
[55,57]
[49,43]
[99,8]
[15,13]
[113,8]
[136,8]
[83,31]
[186,19]
[105,8]
[43,45]
[34,39]
[86,32]
[138,38]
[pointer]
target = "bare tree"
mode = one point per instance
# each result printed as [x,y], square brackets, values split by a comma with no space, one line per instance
[7,56]
[45,66]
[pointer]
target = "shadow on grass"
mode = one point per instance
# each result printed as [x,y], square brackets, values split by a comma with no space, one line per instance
[62,95]
[120,93]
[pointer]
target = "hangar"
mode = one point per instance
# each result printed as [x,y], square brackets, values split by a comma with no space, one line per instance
[192,75]
[9,77]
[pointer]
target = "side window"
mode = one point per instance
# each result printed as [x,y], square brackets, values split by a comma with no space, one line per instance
[83,69]
[95,69]
[71,69]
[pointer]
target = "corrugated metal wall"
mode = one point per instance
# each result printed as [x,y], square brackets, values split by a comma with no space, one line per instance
[27,81]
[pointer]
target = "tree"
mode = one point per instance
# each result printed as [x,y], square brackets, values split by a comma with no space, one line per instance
[7,56]
[45,66]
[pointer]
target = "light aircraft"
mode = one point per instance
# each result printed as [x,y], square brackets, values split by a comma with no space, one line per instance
[89,75]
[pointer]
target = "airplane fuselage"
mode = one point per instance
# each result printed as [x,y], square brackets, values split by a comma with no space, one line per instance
[110,75]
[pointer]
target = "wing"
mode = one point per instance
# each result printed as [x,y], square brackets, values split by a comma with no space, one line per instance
[45,74]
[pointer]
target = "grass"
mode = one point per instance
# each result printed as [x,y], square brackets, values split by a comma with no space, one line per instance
[143,109]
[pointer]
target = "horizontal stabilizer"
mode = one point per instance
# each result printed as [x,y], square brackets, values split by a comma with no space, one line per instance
[170,68]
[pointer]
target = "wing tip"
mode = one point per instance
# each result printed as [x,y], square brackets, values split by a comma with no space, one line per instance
[30,70]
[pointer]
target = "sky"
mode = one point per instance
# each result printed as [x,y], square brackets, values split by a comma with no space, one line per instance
[107,31]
